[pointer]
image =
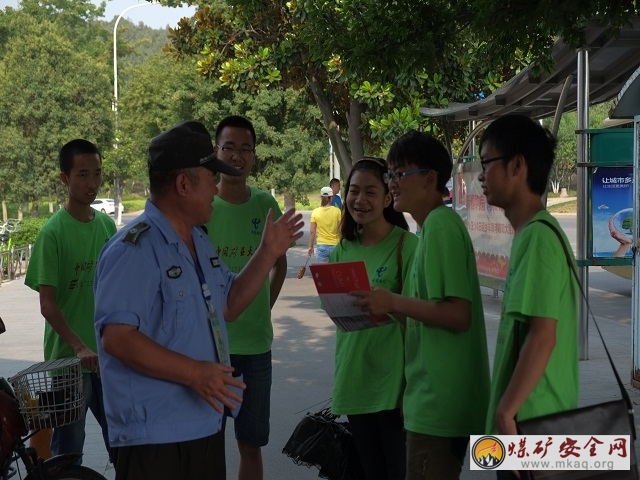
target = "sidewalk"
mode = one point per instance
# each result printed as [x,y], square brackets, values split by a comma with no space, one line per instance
[303,360]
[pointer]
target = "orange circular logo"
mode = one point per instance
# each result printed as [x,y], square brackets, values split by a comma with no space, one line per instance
[488,452]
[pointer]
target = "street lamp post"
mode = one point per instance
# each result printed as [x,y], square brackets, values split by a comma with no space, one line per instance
[114,106]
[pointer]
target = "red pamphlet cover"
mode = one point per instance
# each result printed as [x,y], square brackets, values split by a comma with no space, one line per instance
[334,281]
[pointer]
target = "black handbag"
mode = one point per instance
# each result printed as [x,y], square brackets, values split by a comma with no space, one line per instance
[608,418]
[320,440]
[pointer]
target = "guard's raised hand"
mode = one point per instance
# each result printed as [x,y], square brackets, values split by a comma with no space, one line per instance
[278,236]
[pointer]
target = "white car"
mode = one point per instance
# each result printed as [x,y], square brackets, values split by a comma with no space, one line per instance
[106,205]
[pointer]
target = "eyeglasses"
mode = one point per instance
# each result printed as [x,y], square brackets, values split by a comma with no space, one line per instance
[396,176]
[486,162]
[244,152]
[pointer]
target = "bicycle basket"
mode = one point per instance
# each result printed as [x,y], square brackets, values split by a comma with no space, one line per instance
[50,393]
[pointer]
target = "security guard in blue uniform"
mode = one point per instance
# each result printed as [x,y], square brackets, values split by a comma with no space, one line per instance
[162,300]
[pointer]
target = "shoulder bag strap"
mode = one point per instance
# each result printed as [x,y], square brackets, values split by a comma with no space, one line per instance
[402,322]
[572,267]
[400,242]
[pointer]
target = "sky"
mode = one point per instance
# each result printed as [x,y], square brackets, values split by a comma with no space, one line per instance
[155,16]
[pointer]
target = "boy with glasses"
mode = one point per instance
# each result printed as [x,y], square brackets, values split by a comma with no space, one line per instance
[535,370]
[445,343]
[235,228]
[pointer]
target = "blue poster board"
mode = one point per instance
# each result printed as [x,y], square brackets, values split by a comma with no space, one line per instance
[612,211]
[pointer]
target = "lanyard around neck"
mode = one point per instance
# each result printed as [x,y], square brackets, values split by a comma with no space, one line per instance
[214,322]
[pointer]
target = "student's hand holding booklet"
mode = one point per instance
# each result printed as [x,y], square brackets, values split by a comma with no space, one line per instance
[334,282]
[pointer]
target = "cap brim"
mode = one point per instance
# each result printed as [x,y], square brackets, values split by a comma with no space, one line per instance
[216,165]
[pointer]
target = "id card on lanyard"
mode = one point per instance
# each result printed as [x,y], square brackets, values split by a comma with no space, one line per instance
[221,347]
[218,339]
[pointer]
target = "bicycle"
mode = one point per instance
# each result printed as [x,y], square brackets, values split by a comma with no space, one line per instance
[11,225]
[45,395]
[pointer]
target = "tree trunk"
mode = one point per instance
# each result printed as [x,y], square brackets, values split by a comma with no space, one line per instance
[20,211]
[354,120]
[289,201]
[35,209]
[4,211]
[326,110]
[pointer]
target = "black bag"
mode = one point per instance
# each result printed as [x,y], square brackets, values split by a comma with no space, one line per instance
[320,440]
[608,418]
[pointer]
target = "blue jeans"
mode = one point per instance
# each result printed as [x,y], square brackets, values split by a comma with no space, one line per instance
[252,423]
[323,252]
[70,438]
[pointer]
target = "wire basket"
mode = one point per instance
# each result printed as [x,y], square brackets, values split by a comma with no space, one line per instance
[50,393]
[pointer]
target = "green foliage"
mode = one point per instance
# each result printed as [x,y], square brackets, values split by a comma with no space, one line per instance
[312,202]
[564,168]
[359,58]
[50,92]
[28,232]
[134,204]
[565,207]
[534,25]
[291,147]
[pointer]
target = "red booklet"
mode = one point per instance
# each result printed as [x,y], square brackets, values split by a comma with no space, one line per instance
[334,281]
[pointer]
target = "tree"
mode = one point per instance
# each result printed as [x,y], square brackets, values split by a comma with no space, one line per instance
[364,102]
[161,92]
[535,25]
[370,64]
[50,93]
[564,167]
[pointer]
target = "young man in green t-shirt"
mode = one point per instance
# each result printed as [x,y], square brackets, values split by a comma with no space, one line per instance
[62,269]
[445,342]
[535,369]
[235,229]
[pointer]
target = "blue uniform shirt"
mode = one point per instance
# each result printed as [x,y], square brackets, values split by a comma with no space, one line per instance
[152,284]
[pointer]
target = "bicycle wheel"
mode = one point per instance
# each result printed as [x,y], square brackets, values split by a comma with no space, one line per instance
[70,472]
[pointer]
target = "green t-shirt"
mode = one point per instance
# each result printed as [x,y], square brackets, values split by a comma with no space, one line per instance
[447,371]
[369,363]
[327,220]
[64,256]
[539,284]
[236,231]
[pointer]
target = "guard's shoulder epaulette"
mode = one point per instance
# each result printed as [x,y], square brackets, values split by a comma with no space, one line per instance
[134,232]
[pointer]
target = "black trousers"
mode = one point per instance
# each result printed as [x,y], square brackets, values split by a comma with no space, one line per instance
[194,459]
[380,441]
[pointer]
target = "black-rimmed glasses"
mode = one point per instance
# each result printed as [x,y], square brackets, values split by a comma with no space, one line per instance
[244,151]
[396,176]
[487,161]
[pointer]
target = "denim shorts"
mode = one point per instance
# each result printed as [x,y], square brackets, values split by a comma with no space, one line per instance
[252,423]
[323,252]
